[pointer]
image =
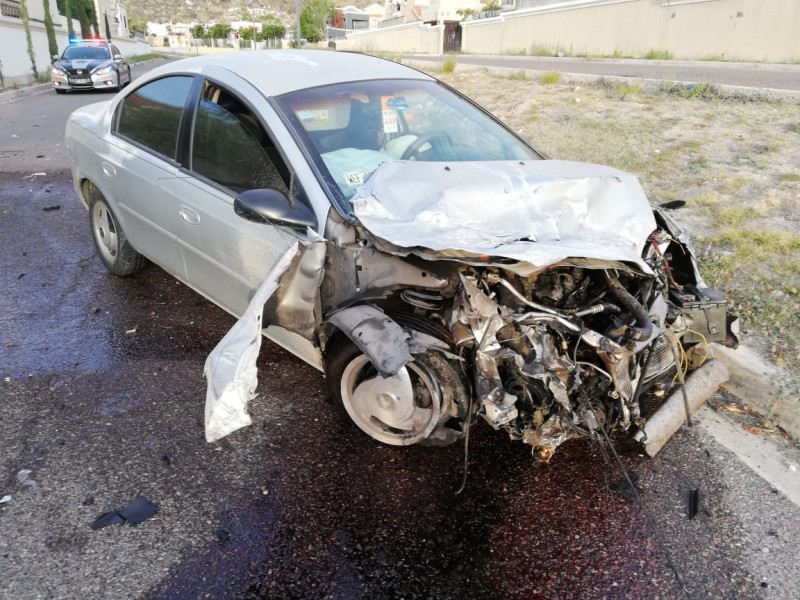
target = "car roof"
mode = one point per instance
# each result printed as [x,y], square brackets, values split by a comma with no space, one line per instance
[276,72]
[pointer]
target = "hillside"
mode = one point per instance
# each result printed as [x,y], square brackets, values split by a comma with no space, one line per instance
[213,10]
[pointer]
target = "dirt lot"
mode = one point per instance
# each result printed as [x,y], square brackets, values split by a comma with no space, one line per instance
[733,158]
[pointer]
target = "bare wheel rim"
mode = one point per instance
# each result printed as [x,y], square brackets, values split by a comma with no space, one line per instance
[105,231]
[399,410]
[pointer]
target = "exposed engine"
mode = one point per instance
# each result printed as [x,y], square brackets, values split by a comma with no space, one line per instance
[568,350]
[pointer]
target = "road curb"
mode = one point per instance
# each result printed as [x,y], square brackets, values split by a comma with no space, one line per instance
[769,390]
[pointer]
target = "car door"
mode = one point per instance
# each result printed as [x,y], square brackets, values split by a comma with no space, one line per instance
[141,167]
[226,256]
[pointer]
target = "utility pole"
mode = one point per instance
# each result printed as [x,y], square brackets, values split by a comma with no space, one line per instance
[297,16]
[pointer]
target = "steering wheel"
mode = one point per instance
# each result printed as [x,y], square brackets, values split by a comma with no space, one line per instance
[434,138]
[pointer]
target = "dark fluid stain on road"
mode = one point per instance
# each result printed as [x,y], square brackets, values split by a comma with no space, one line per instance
[60,311]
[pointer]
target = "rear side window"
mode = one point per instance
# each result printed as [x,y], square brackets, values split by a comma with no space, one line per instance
[152,114]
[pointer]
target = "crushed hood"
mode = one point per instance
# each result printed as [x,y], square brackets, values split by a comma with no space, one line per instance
[539,212]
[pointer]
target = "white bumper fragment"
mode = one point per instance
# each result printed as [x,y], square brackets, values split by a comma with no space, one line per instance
[231,367]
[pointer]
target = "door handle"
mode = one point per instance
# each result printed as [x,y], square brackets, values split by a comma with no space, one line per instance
[188,215]
[109,170]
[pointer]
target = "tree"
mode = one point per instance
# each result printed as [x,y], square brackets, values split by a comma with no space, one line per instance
[493,6]
[219,31]
[66,8]
[247,33]
[199,31]
[272,31]
[23,13]
[108,30]
[52,45]
[314,17]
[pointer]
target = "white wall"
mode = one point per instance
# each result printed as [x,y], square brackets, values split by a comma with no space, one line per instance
[414,37]
[752,30]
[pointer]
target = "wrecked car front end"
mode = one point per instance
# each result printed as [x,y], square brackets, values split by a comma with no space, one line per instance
[562,303]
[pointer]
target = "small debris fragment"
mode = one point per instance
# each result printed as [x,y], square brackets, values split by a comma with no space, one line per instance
[6,498]
[52,208]
[758,430]
[793,468]
[40,156]
[14,136]
[264,491]
[95,309]
[88,501]
[24,478]
[223,536]
[166,459]
[130,331]
[734,407]
[137,511]
[21,275]
[106,519]
[35,175]
[694,503]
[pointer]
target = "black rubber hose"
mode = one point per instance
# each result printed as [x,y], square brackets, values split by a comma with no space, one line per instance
[644,328]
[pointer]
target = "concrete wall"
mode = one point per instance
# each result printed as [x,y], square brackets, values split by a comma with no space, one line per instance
[15,64]
[754,30]
[731,29]
[414,37]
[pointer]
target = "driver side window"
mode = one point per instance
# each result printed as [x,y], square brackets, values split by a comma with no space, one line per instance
[231,148]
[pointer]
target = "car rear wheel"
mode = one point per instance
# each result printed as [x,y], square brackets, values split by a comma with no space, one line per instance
[424,403]
[112,245]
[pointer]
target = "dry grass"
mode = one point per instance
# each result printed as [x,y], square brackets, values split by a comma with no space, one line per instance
[734,161]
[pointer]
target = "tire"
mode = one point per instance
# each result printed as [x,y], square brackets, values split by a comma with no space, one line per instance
[58,91]
[113,247]
[425,403]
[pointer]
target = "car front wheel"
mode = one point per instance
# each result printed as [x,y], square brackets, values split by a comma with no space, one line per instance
[112,245]
[424,403]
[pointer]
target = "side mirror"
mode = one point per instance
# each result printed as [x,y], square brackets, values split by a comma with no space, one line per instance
[270,206]
[118,58]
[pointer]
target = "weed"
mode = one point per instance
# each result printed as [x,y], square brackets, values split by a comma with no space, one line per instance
[518,76]
[550,78]
[540,51]
[625,89]
[713,57]
[658,55]
[736,215]
[789,176]
[143,57]
[449,65]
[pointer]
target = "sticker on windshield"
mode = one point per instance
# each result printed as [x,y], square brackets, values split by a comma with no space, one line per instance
[313,115]
[355,178]
[390,121]
[398,103]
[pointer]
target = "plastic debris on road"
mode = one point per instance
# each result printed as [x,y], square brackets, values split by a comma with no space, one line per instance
[134,513]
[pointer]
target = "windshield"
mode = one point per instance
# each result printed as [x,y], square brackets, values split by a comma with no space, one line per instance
[85,53]
[351,128]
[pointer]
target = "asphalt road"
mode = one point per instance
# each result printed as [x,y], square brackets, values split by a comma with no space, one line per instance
[101,399]
[751,75]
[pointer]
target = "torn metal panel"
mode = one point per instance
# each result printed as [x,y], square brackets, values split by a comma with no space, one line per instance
[539,212]
[377,335]
[231,367]
[295,305]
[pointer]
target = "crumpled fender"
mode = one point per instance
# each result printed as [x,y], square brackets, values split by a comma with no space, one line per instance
[377,335]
